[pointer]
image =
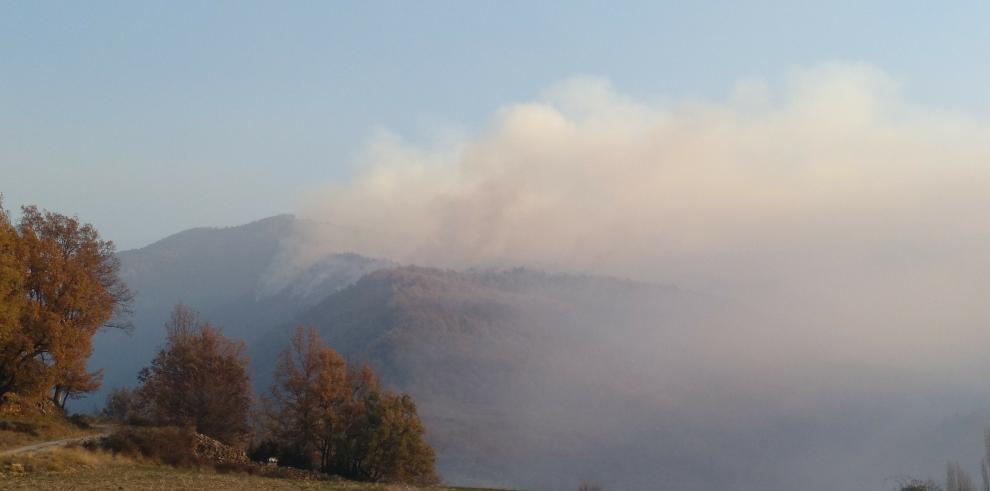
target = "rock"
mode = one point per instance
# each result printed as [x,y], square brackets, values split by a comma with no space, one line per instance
[218,453]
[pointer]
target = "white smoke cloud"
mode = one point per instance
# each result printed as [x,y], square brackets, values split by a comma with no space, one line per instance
[825,194]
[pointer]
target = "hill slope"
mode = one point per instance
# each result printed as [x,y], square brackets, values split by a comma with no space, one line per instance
[518,374]
[540,381]
[221,273]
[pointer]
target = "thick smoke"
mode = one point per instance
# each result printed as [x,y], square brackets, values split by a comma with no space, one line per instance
[825,198]
[836,233]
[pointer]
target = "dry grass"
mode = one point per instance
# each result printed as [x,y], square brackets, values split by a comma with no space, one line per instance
[60,460]
[18,431]
[75,468]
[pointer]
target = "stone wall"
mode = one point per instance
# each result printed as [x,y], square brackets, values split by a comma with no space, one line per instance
[211,450]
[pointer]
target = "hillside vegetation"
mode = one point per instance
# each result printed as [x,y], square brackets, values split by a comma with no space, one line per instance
[84,470]
[60,283]
[20,430]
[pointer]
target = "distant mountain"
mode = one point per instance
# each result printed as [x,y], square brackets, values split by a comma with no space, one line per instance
[517,373]
[221,273]
[539,381]
[209,265]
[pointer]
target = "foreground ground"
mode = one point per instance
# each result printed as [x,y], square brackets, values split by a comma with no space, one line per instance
[45,453]
[157,477]
[20,431]
[80,469]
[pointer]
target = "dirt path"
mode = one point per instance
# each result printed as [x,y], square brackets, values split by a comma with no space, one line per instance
[102,430]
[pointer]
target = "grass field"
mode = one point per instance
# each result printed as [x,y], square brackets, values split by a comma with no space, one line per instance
[18,431]
[75,468]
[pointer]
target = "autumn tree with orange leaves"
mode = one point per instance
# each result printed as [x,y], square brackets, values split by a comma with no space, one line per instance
[338,420]
[60,284]
[199,379]
[310,391]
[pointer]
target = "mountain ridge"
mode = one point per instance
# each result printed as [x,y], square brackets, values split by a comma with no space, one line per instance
[535,379]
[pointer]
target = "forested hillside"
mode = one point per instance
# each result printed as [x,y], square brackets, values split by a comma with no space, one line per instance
[219,272]
[538,380]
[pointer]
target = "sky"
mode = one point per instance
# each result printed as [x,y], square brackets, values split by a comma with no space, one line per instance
[148,118]
[825,164]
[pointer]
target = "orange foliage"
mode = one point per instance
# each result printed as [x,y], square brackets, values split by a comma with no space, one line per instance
[339,420]
[63,284]
[198,379]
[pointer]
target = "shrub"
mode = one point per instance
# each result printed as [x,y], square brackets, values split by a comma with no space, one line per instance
[82,421]
[287,455]
[919,485]
[169,445]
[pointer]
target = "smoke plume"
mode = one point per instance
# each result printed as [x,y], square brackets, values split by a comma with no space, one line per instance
[824,197]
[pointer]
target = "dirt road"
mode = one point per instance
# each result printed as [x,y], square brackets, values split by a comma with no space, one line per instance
[45,446]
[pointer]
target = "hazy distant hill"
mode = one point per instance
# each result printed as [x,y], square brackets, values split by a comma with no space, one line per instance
[218,272]
[486,353]
[520,375]
[536,380]
[539,381]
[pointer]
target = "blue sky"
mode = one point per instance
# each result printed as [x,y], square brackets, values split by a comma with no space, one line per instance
[148,118]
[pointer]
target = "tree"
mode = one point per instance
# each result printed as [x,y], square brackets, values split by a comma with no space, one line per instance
[396,451]
[311,388]
[120,405]
[69,287]
[341,421]
[11,276]
[73,378]
[12,303]
[198,379]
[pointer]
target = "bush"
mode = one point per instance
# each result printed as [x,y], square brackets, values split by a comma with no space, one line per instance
[19,427]
[169,445]
[919,485]
[287,456]
[82,421]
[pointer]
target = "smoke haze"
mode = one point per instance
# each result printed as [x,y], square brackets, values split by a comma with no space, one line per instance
[837,230]
[808,310]
[853,216]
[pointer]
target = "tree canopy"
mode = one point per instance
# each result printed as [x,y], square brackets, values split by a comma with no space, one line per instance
[60,283]
[336,419]
[198,379]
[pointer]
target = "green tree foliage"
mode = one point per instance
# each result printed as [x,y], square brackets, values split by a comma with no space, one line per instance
[339,420]
[60,284]
[198,379]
